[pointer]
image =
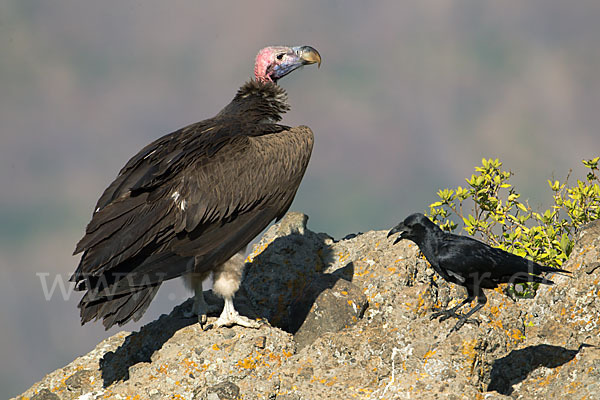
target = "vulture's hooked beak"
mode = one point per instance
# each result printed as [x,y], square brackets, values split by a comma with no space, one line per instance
[400,228]
[308,55]
[282,60]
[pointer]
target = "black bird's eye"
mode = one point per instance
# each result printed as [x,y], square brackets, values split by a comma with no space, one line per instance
[280,56]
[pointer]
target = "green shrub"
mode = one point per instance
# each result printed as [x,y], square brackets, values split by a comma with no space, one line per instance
[498,217]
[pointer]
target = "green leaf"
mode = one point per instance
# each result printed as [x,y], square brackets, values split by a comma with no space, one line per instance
[544,236]
[566,244]
[521,207]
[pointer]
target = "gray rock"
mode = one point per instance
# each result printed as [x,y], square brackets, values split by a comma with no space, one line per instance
[45,394]
[283,263]
[223,391]
[327,304]
[80,381]
[319,346]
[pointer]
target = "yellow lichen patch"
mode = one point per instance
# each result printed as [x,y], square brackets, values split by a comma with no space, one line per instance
[257,252]
[573,386]
[468,349]
[189,363]
[496,324]
[344,293]
[192,366]
[162,369]
[545,381]
[360,271]
[343,256]
[516,335]
[428,355]
[262,359]
[215,347]
[420,303]
[247,363]
[287,353]
[392,270]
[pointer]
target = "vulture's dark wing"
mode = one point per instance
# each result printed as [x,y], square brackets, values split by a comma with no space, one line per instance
[204,191]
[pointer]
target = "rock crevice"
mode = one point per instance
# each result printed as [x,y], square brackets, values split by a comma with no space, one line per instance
[350,319]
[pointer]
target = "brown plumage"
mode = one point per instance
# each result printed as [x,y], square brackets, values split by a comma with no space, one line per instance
[192,199]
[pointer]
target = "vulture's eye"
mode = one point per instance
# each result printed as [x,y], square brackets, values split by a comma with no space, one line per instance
[280,56]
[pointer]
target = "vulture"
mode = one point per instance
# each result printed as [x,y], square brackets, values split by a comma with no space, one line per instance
[467,262]
[188,203]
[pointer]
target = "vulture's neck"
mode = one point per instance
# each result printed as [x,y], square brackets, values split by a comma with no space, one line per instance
[258,102]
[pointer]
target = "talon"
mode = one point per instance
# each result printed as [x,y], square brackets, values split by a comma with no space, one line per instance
[236,319]
[230,317]
[463,321]
[444,315]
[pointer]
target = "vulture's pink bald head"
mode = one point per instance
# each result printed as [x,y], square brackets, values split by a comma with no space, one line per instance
[275,62]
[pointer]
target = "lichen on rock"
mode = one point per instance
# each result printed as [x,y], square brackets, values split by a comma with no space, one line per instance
[350,319]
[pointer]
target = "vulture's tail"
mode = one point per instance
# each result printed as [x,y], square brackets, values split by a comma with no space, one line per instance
[125,293]
[118,309]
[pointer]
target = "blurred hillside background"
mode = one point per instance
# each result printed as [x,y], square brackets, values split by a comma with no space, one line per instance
[410,97]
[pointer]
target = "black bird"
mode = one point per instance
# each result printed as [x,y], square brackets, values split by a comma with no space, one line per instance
[190,202]
[467,262]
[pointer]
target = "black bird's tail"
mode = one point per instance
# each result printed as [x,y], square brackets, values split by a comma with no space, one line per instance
[536,273]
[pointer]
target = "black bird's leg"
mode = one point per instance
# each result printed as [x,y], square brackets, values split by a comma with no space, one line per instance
[451,312]
[481,300]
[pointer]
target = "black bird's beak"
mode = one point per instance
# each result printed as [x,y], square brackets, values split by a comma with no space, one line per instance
[397,229]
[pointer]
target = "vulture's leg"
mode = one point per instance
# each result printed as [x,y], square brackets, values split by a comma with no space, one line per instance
[200,308]
[227,278]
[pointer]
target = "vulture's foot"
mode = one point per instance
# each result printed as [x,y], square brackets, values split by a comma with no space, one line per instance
[236,319]
[230,317]
[201,310]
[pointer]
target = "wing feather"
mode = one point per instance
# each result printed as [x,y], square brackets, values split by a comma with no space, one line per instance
[466,256]
[196,193]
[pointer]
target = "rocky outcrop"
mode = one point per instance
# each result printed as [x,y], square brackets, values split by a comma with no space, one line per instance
[351,319]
